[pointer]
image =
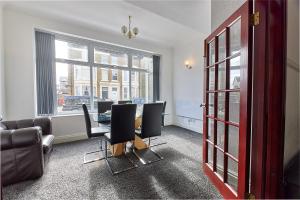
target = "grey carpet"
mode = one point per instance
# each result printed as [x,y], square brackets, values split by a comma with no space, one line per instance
[178,176]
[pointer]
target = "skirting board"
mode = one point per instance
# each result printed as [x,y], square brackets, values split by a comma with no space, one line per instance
[69,138]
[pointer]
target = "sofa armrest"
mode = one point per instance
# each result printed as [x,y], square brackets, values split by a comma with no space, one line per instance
[6,142]
[45,124]
[26,136]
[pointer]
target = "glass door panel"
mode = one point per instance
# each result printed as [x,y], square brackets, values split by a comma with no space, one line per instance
[221,105]
[235,73]
[222,76]
[211,104]
[233,141]
[210,131]
[211,76]
[222,47]
[232,174]
[212,54]
[220,163]
[234,107]
[235,38]
[220,135]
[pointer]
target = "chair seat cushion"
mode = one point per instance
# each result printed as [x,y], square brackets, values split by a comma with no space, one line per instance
[99,131]
[47,141]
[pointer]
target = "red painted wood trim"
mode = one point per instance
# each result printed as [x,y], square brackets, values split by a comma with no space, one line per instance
[269,99]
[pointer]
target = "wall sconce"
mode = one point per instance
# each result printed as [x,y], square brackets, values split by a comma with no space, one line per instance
[188,65]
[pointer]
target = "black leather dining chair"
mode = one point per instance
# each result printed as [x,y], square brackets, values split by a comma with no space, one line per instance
[125,102]
[93,132]
[163,112]
[151,127]
[104,106]
[122,130]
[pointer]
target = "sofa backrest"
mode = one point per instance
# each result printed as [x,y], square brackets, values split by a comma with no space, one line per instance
[43,122]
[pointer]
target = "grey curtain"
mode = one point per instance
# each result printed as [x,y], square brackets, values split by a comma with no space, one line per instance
[156,66]
[45,52]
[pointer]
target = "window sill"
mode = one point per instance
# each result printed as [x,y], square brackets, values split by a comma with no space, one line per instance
[70,115]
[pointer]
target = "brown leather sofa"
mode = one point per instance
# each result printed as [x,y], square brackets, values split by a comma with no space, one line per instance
[25,148]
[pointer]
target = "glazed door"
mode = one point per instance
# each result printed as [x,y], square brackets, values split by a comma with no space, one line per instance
[226,128]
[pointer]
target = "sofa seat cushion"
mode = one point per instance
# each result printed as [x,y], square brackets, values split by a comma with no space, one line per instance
[47,141]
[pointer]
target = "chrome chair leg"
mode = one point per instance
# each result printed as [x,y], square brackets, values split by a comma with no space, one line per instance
[154,145]
[145,162]
[122,170]
[85,161]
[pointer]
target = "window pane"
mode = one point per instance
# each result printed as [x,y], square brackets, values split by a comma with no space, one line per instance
[220,163]
[211,75]
[235,37]
[142,62]
[211,52]
[109,58]
[221,76]
[113,84]
[210,129]
[104,74]
[235,73]
[211,105]
[233,141]
[221,105]
[71,51]
[210,154]
[73,87]
[234,107]
[232,174]
[141,87]
[222,46]
[220,134]
[114,75]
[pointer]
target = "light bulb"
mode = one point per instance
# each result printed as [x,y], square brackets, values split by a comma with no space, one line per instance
[135,31]
[124,29]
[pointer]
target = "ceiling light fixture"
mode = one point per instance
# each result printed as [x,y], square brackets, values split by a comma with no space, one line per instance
[127,32]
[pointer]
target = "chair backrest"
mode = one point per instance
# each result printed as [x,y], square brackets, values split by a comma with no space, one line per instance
[122,123]
[125,102]
[104,106]
[87,121]
[151,120]
[164,110]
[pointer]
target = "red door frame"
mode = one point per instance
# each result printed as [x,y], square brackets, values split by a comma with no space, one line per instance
[269,75]
[245,108]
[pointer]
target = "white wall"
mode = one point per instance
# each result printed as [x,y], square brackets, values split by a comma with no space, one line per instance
[188,84]
[292,132]
[20,67]
[2,82]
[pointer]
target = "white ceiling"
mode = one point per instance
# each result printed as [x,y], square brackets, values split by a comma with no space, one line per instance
[164,22]
[192,13]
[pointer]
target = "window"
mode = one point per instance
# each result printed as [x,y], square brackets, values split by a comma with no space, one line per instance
[109,76]
[104,74]
[104,93]
[114,94]
[114,75]
[125,93]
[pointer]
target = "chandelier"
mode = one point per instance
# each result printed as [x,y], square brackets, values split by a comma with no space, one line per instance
[127,32]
